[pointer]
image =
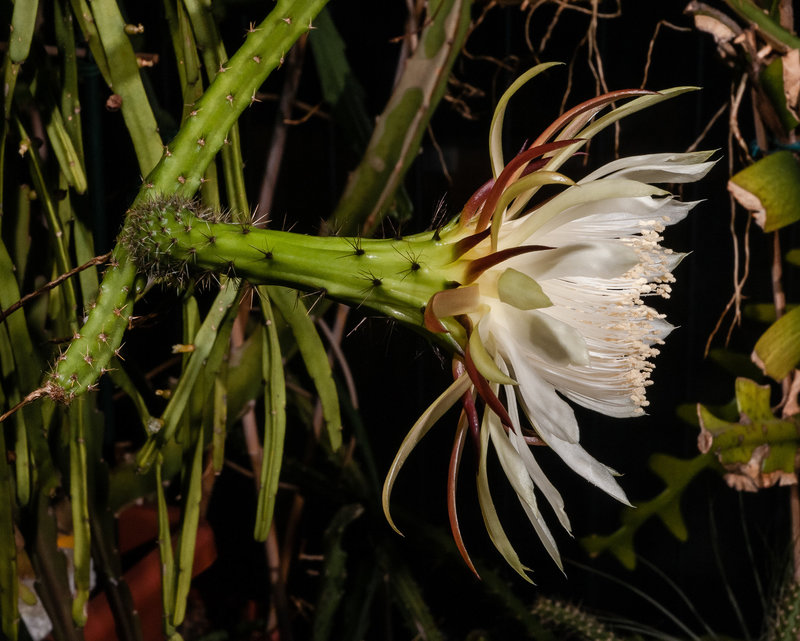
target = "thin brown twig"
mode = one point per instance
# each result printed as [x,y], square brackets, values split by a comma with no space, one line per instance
[571,5]
[299,121]
[316,110]
[551,27]
[474,56]
[595,60]
[738,281]
[35,394]
[779,302]
[733,117]
[296,511]
[570,73]
[97,260]
[708,126]
[652,45]
[440,153]
[294,68]
[530,9]
[335,344]
[739,286]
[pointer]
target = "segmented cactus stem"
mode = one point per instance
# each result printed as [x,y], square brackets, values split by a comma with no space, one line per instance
[170,239]
[180,170]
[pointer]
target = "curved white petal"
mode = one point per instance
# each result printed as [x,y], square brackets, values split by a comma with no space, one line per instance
[517,474]
[588,467]
[570,199]
[536,332]
[602,259]
[606,219]
[552,417]
[550,414]
[537,475]
[657,168]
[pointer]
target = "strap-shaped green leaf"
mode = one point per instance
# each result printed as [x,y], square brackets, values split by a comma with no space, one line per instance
[219,426]
[23,22]
[20,370]
[165,546]
[125,80]
[274,421]
[291,307]
[771,79]
[64,30]
[188,536]
[9,615]
[79,502]
[63,261]
[69,159]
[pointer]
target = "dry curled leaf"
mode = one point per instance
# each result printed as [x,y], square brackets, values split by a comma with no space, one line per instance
[791,81]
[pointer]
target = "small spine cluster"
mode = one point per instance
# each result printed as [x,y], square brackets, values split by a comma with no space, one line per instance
[785,621]
[571,620]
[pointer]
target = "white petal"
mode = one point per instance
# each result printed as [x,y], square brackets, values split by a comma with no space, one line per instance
[568,199]
[534,331]
[657,168]
[517,474]
[588,467]
[601,259]
[547,411]
[608,219]
[552,417]
[539,478]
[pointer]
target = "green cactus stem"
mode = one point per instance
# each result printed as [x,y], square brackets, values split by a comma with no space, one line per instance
[88,355]
[169,239]
[180,170]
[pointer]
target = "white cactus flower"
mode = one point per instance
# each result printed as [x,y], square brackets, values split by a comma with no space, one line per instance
[552,299]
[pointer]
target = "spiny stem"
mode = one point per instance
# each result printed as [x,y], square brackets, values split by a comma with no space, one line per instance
[180,170]
[395,278]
